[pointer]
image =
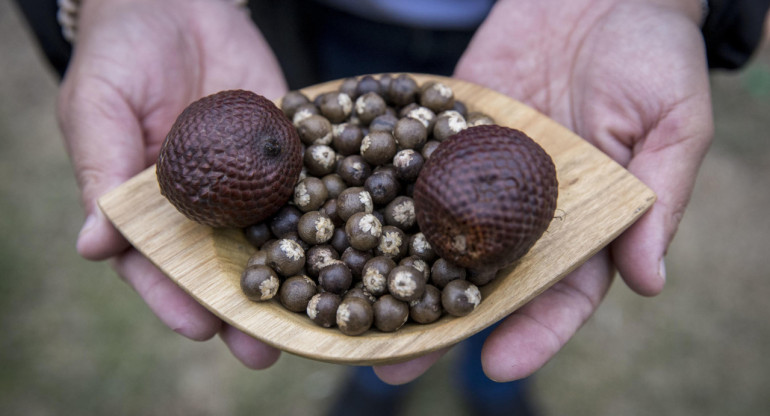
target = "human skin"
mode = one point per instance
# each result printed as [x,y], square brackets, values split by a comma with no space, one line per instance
[627,75]
[136,65]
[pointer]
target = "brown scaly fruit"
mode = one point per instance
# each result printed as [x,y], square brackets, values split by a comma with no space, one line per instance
[231,159]
[485,196]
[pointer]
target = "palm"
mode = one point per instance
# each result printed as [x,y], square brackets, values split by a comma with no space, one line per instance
[628,77]
[137,66]
[176,55]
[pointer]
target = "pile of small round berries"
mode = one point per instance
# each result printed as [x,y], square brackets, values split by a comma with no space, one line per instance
[347,250]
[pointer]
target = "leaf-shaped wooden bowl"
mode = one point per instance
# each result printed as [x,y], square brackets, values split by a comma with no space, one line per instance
[598,199]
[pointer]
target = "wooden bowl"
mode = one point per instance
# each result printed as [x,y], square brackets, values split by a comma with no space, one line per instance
[598,199]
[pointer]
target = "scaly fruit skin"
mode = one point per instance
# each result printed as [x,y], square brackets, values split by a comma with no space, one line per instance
[231,159]
[485,196]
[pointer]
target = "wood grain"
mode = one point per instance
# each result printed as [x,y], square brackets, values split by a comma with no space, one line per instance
[598,199]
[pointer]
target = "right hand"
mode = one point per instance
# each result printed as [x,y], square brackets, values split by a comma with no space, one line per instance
[136,65]
[641,96]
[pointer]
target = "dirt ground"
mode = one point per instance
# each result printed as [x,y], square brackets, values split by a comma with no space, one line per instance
[74,339]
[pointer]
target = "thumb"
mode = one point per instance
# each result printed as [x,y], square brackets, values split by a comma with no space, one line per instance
[104,141]
[668,162]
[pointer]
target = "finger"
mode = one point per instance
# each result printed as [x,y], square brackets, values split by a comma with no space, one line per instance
[529,337]
[251,352]
[668,162]
[105,144]
[407,371]
[175,308]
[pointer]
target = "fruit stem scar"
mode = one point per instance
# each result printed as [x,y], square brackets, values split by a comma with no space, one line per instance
[459,243]
[271,146]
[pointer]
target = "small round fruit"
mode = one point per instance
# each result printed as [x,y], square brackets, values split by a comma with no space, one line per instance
[403,90]
[406,283]
[443,272]
[335,278]
[400,213]
[354,170]
[448,124]
[315,228]
[429,147]
[460,297]
[353,200]
[339,240]
[315,129]
[297,239]
[360,292]
[296,291]
[385,122]
[285,221]
[319,257]
[348,86]
[259,283]
[320,160]
[367,84]
[383,186]
[286,257]
[437,96]
[346,138]
[354,316]
[322,308]
[258,258]
[368,106]
[258,234]
[419,264]
[461,108]
[424,115]
[420,248]
[378,147]
[335,105]
[485,196]
[375,274]
[479,119]
[481,277]
[390,313]
[334,185]
[291,101]
[363,231]
[310,193]
[410,133]
[428,308]
[355,260]
[330,209]
[303,111]
[393,243]
[231,159]
[408,164]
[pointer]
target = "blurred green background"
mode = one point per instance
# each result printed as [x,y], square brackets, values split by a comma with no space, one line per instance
[74,339]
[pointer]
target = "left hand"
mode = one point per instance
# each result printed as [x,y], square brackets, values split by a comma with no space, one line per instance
[630,77]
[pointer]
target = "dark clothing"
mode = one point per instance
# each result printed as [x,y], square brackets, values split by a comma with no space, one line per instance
[733,30]
[41,17]
[315,43]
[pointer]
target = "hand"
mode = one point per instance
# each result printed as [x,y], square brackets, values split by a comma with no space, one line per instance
[631,78]
[137,65]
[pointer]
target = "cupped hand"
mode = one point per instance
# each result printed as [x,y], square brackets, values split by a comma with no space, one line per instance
[136,65]
[630,76]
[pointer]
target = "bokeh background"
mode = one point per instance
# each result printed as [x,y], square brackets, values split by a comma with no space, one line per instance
[75,339]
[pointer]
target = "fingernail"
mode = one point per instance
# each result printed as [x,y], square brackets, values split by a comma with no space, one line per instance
[662,269]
